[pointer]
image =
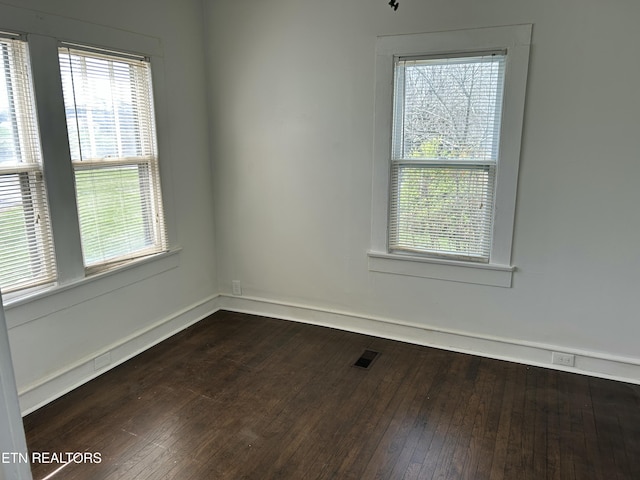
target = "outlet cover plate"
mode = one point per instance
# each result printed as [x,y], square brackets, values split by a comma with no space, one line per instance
[565,359]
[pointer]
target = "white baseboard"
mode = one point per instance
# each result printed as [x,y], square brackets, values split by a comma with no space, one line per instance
[57,384]
[537,354]
[594,364]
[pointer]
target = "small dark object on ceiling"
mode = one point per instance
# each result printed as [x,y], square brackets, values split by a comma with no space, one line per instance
[394,4]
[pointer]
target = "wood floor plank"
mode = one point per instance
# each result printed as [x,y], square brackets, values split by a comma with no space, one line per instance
[450,411]
[475,411]
[379,400]
[391,444]
[401,438]
[478,452]
[505,407]
[579,403]
[536,425]
[293,431]
[458,433]
[553,451]
[244,397]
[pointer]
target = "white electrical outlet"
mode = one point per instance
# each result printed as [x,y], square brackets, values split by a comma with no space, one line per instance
[236,287]
[102,361]
[566,359]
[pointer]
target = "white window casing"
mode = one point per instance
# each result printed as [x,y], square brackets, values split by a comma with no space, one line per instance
[112,139]
[70,238]
[416,159]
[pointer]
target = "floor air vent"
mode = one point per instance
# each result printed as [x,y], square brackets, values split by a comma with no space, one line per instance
[366,359]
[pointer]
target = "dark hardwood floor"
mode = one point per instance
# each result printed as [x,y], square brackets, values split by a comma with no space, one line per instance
[245,397]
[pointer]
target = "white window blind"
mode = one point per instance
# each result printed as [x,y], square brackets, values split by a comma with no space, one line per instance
[447,112]
[26,249]
[110,120]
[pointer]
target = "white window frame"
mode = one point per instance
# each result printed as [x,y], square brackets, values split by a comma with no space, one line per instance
[515,40]
[148,158]
[44,33]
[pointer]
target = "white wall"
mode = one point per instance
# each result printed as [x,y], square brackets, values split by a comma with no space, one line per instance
[292,85]
[289,86]
[54,339]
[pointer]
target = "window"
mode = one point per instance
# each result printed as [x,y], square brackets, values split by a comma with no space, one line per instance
[449,108]
[26,246]
[445,145]
[80,196]
[110,123]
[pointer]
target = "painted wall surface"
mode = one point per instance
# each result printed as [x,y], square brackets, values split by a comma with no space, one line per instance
[54,334]
[292,108]
[274,100]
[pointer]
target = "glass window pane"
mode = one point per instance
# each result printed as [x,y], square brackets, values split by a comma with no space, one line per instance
[445,210]
[451,108]
[113,208]
[109,107]
[26,244]
[446,139]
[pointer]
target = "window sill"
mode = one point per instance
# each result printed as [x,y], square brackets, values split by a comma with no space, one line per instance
[91,286]
[441,269]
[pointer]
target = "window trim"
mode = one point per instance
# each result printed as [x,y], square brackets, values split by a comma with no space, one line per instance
[44,32]
[147,158]
[515,39]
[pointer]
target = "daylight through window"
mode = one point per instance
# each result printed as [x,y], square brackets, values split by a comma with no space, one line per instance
[110,120]
[26,247]
[105,155]
[447,113]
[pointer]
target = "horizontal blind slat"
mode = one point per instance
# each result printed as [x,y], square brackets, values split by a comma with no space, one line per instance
[108,100]
[27,256]
[440,210]
[447,114]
